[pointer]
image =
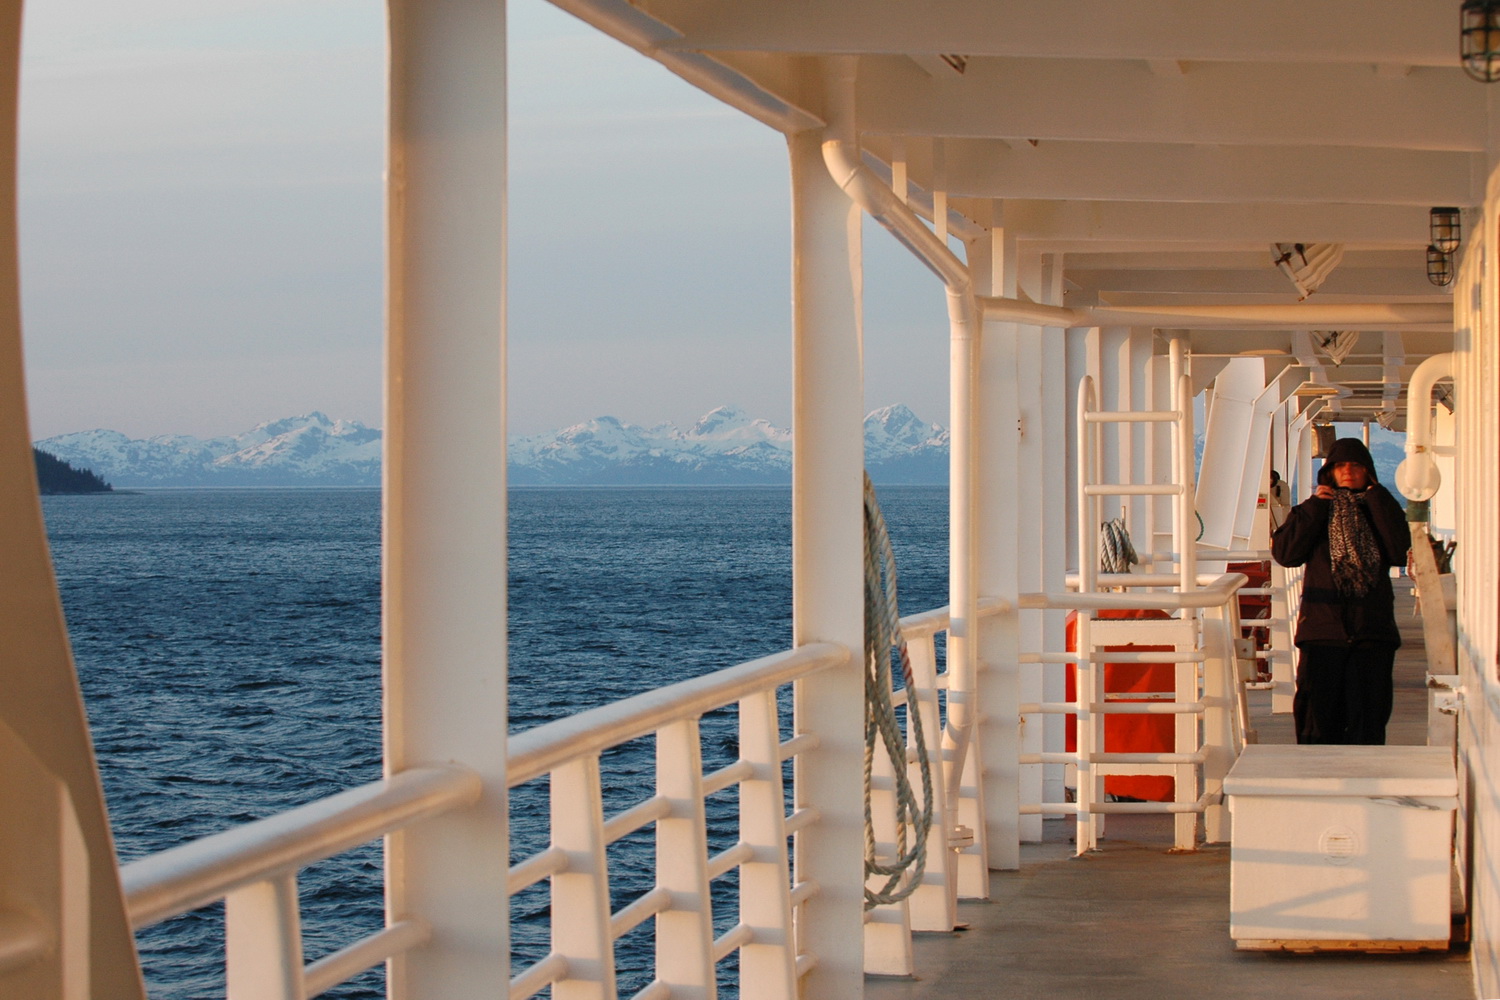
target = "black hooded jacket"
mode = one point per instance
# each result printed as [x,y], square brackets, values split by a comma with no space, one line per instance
[1326,616]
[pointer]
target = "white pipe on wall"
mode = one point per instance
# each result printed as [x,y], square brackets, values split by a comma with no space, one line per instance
[1417,476]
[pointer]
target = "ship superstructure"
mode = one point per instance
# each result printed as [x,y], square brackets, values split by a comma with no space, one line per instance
[1127,208]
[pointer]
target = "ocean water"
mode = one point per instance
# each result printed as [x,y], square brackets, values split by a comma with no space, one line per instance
[228,647]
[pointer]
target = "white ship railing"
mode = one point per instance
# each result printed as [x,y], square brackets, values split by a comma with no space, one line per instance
[687,953]
[253,868]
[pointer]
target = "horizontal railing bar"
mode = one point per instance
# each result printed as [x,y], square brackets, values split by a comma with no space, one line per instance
[1205,555]
[540,976]
[1133,490]
[1113,708]
[535,868]
[180,879]
[806,962]
[1071,808]
[927,623]
[1120,656]
[327,972]
[803,891]
[729,858]
[804,817]
[643,909]
[1115,758]
[736,937]
[731,774]
[657,990]
[801,743]
[538,751]
[1140,580]
[1131,416]
[920,626]
[623,824]
[1221,591]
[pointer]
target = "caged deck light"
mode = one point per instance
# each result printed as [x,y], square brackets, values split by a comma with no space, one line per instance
[1479,39]
[1439,267]
[1445,229]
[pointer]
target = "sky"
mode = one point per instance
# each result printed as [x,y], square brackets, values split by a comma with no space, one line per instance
[201,225]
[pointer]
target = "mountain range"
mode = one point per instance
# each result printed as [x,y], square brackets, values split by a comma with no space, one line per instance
[724,447]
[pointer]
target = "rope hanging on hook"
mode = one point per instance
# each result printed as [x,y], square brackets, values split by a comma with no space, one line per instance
[884,648]
[1116,554]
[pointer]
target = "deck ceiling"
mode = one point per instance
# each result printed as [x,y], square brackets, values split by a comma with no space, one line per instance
[1158,146]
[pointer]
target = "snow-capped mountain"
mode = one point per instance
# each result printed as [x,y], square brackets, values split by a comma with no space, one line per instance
[725,447]
[310,450]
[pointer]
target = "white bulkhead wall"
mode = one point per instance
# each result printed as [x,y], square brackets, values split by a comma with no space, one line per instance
[1473,498]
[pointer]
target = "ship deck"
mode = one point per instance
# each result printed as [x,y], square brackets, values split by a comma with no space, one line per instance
[1135,922]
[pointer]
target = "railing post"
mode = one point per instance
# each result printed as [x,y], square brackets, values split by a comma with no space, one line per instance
[1221,699]
[684,933]
[828,567]
[768,964]
[888,950]
[934,905]
[444,569]
[263,941]
[580,895]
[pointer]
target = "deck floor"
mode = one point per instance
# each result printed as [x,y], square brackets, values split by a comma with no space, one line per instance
[1134,922]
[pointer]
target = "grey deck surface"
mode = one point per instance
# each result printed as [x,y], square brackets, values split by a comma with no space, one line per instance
[1134,922]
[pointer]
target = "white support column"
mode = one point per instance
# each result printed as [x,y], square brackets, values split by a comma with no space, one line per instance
[828,566]
[1053,489]
[444,620]
[1034,278]
[997,413]
[41,704]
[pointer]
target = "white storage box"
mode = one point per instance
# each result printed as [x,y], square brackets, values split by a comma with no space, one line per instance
[1341,847]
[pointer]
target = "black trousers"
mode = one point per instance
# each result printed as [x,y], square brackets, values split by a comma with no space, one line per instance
[1344,694]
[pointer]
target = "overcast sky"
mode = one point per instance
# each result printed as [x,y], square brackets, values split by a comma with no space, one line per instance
[201,228]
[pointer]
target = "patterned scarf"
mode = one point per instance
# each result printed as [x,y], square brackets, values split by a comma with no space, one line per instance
[1352,547]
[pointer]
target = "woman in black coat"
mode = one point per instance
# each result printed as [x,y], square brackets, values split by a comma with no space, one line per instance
[1348,534]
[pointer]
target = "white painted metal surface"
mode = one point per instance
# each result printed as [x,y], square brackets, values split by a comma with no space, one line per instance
[443,615]
[1341,844]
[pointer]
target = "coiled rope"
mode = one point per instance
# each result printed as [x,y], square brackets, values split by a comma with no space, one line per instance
[1116,554]
[884,647]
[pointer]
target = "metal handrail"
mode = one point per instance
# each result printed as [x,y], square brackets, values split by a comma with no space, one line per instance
[174,881]
[538,751]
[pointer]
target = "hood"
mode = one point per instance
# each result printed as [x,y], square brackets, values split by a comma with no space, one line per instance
[1346,450]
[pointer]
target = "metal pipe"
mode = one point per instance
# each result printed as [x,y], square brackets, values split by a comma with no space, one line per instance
[1417,476]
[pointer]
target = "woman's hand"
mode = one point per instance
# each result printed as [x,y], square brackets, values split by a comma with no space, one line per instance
[1323,492]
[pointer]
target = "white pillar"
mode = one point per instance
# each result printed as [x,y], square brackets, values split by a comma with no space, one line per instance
[998,554]
[1053,490]
[444,545]
[40,703]
[828,566]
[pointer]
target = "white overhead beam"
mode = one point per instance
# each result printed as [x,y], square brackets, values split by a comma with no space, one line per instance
[1127,171]
[1198,223]
[1223,103]
[1415,32]
[1366,283]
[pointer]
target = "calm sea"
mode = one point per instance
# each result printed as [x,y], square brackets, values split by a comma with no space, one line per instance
[228,645]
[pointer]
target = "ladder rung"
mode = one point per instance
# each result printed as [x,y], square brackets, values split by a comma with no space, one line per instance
[1133,490]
